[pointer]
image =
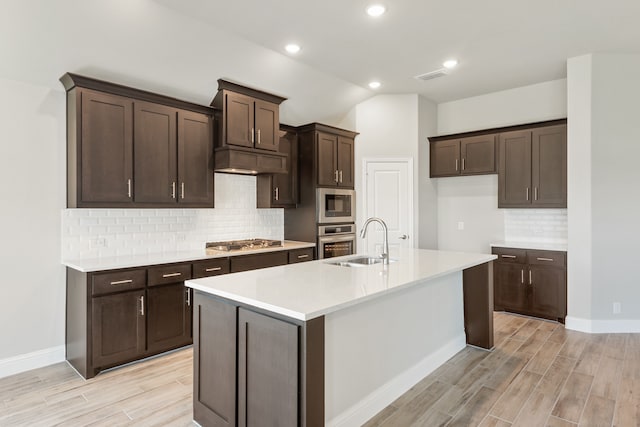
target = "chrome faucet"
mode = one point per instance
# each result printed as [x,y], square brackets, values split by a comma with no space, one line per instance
[385,243]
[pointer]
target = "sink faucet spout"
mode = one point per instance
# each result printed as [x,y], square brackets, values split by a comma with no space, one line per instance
[385,243]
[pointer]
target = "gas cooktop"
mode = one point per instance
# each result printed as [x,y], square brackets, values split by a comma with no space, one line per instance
[238,245]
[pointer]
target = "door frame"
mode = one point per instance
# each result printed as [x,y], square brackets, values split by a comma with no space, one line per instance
[409,161]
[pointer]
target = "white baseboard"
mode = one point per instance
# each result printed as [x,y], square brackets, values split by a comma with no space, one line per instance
[595,326]
[26,362]
[362,411]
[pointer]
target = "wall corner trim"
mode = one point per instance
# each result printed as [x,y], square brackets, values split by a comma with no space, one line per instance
[37,359]
[602,326]
[362,411]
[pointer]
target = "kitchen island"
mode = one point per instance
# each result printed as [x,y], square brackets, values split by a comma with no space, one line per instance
[318,344]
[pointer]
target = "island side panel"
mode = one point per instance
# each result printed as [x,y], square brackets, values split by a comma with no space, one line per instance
[478,305]
[214,361]
[377,350]
[312,373]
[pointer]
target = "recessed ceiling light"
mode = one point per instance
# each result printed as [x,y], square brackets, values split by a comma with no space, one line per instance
[292,48]
[374,85]
[450,63]
[376,10]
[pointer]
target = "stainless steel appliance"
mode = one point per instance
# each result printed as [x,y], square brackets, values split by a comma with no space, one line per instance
[238,245]
[335,205]
[336,240]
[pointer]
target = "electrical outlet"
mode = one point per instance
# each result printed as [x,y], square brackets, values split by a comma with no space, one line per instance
[460,225]
[617,308]
[98,242]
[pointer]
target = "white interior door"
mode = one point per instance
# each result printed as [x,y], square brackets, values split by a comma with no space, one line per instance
[389,196]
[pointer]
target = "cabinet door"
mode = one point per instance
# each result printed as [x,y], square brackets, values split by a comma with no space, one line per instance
[238,119]
[345,162]
[514,172]
[445,158]
[510,290]
[327,147]
[266,125]
[118,328]
[155,151]
[548,291]
[478,155]
[214,359]
[195,159]
[267,371]
[549,166]
[106,148]
[168,317]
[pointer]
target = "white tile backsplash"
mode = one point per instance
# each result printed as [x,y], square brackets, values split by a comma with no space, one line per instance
[536,225]
[95,233]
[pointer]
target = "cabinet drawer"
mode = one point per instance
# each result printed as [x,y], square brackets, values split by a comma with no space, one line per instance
[518,256]
[117,281]
[300,255]
[172,273]
[253,262]
[210,267]
[551,258]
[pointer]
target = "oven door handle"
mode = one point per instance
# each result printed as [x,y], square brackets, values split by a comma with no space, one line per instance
[337,238]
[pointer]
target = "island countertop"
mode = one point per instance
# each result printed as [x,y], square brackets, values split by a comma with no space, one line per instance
[309,290]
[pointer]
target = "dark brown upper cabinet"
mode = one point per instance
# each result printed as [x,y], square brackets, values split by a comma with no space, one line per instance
[330,152]
[250,118]
[474,155]
[280,190]
[132,148]
[532,169]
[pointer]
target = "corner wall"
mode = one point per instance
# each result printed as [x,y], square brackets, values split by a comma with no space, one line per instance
[603,179]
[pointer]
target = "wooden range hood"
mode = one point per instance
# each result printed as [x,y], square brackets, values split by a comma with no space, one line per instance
[247,130]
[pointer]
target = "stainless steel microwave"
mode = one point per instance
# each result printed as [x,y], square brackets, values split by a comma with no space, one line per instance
[335,205]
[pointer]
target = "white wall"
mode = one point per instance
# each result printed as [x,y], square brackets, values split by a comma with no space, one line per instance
[388,127]
[606,132]
[474,200]
[32,150]
[428,196]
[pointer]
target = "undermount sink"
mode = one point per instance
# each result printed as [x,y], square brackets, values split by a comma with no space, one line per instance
[360,261]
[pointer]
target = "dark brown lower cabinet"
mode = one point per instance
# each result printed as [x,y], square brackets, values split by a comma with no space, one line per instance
[278,379]
[267,371]
[169,317]
[531,282]
[118,333]
[214,362]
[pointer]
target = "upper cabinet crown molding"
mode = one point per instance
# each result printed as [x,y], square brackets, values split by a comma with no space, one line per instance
[253,93]
[71,80]
[497,130]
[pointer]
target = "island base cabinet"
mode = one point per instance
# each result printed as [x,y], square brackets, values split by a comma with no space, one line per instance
[214,362]
[267,371]
[253,369]
[119,328]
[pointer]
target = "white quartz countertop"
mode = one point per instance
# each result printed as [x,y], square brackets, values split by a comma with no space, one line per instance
[308,290]
[532,245]
[127,261]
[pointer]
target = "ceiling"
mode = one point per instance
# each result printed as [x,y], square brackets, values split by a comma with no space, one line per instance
[181,47]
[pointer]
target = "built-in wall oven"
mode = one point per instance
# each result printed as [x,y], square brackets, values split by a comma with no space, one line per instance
[336,240]
[335,205]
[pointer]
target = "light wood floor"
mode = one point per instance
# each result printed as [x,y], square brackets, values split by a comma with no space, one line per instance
[539,374]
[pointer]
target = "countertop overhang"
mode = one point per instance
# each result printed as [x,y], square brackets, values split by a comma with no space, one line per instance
[308,290]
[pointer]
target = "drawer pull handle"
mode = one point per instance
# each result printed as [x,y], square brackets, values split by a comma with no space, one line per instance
[142,305]
[208,270]
[303,256]
[544,259]
[122,282]
[508,256]
[171,275]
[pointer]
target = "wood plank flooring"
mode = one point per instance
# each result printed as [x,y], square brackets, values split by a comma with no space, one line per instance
[539,375]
